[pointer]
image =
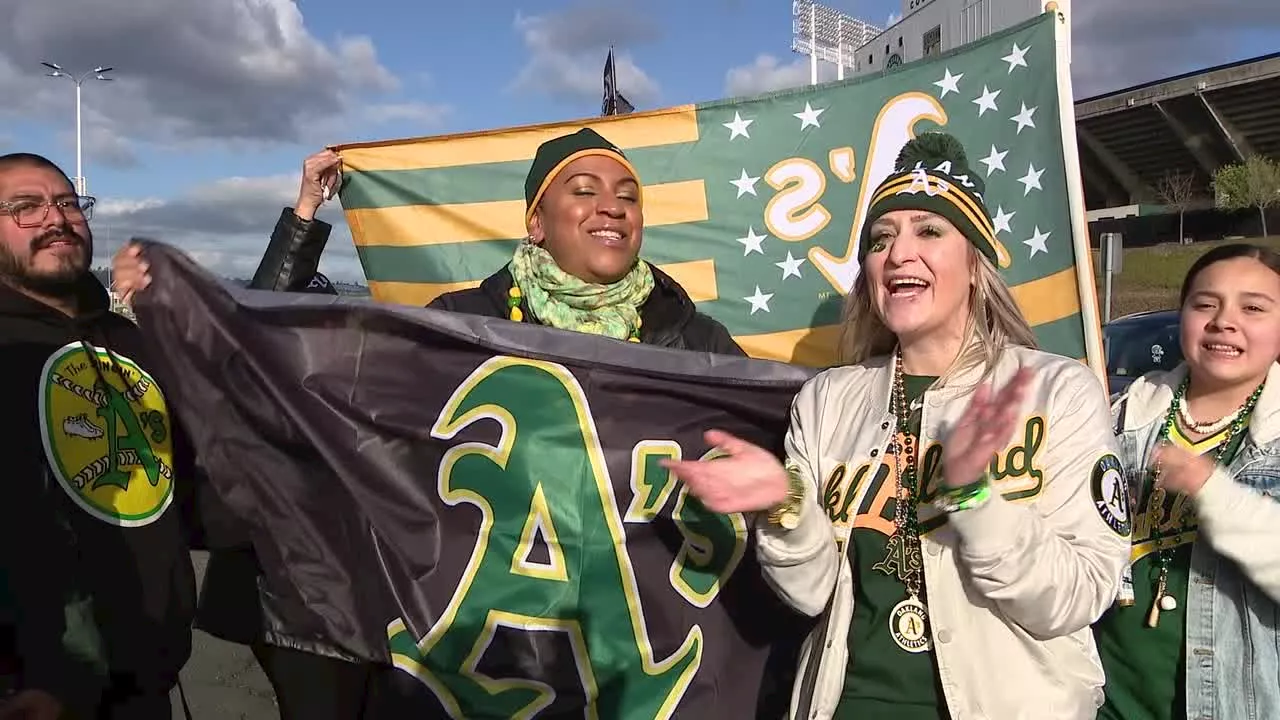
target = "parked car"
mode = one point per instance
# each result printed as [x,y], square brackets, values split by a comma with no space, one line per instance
[1137,344]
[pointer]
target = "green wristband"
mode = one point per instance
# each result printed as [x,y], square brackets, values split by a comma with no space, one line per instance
[965,497]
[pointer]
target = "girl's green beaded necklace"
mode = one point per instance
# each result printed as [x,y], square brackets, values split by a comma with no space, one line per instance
[514,296]
[1165,543]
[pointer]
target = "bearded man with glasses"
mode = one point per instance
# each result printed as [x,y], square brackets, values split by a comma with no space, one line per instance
[97,590]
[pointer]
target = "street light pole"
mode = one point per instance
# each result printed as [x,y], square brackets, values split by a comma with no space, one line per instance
[98,73]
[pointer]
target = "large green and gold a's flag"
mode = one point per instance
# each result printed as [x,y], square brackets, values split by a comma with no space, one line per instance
[755,204]
[481,503]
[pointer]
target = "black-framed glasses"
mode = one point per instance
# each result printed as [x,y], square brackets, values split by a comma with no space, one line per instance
[32,213]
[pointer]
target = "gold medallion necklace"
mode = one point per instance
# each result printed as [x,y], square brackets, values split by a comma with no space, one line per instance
[909,619]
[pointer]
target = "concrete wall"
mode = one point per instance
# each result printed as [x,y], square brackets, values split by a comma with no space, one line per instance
[1200,225]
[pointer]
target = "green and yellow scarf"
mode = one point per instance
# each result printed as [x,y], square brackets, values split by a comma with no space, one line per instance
[563,301]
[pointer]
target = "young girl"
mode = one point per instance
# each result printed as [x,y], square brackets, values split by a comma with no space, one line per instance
[1194,631]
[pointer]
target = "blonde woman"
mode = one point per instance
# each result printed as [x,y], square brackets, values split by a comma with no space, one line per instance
[957,539]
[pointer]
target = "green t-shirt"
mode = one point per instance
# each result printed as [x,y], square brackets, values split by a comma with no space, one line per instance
[1146,667]
[882,679]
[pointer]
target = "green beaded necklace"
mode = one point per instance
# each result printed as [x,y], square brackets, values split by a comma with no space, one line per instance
[1166,542]
[514,296]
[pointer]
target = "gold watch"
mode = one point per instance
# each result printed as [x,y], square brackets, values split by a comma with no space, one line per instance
[786,514]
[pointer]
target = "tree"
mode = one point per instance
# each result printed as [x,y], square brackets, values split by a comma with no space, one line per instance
[1176,190]
[1254,183]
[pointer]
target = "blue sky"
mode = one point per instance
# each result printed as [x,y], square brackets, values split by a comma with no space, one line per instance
[200,140]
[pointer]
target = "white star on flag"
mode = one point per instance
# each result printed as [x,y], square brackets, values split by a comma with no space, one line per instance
[987,101]
[948,83]
[809,116]
[738,126]
[752,242]
[994,161]
[1002,218]
[790,266]
[1037,240]
[745,184]
[759,301]
[1024,118]
[1031,179]
[1017,57]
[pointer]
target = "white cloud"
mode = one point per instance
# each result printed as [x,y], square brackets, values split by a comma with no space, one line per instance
[425,114]
[224,225]
[567,51]
[104,145]
[767,73]
[187,72]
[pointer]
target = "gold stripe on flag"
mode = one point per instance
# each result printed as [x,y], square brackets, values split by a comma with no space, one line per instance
[658,127]
[1052,297]
[415,225]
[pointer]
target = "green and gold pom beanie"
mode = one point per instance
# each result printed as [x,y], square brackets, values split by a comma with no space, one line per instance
[553,155]
[932,174]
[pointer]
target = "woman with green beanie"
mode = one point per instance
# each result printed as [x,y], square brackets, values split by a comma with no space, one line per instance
[580,267]
[950,504]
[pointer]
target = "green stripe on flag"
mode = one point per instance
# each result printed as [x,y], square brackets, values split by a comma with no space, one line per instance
[489,182]
[1064,337]
[435,263]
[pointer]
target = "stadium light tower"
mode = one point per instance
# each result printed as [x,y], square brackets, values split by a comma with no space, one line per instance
[824,33]
[98,73]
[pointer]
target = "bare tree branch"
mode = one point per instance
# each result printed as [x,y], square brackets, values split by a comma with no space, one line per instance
[1177,189]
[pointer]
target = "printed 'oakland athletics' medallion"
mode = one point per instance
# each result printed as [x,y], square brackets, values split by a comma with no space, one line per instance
[106,434]
[909,625]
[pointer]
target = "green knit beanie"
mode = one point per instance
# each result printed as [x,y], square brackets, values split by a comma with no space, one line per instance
[553,155]
[932,174]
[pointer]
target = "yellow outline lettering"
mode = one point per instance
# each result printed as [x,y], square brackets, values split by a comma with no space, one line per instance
[539,523]
[446,659]
[649,497]
[795,212]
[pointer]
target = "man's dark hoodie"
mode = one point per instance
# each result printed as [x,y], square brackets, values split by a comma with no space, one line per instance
[82,521]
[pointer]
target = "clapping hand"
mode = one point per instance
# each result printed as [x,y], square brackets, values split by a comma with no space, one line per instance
[983,430]
[1182,471]
[745,478]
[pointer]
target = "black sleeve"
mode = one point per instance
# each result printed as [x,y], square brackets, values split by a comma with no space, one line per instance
[293,253]
[710,336]
[442,302]
[472,301]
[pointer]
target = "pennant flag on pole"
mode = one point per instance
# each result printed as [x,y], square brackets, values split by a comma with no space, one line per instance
[481,502]
[755,204]
[614,103]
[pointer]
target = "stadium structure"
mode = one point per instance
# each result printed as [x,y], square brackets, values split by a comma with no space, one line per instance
[1191,124]
[1129,139]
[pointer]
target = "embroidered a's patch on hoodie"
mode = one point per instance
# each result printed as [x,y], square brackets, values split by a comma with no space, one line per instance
[1110,494]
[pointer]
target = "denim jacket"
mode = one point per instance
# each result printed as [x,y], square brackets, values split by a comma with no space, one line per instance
[1233,615]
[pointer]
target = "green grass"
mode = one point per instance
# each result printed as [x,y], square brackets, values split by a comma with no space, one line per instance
[1150,277]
